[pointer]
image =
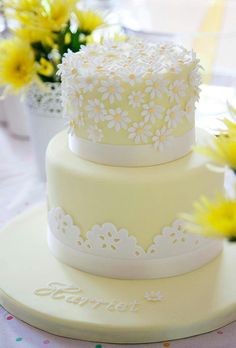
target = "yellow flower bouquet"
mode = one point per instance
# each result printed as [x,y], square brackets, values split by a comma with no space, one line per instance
[44,31]
[217,218]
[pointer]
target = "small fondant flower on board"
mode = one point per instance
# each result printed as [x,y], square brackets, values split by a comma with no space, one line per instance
[96,110]
[177,90]
[156,86]
[110,90]
[136,99]
[139,132]
[162,138]
[153,296]
[151,112]
[173,116]
[95,134]
[117,119]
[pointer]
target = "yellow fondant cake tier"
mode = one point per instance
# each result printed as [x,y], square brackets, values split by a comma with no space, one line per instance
[120,95]
[129,216]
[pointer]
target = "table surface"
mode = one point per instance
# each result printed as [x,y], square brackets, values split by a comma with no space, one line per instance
[20,189]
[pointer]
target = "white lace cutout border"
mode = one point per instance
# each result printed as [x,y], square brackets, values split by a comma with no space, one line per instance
[107,240]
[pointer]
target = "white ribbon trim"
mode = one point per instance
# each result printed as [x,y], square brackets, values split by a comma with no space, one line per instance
[134,268]
[131,155]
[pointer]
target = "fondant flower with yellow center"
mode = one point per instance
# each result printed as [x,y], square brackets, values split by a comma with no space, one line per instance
[17,64]
[117,119]
[213,218]
[140,132]
[130,72]
[151,112]
[136,99]
[195,80]
[173,116]
[95,134]
[156,86]
[110,90]
[87,83]
[189,109]
[177,90]
[162,138]
[153,296]
[96,110]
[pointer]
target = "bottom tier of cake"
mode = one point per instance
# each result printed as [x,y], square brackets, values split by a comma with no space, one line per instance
[124,222]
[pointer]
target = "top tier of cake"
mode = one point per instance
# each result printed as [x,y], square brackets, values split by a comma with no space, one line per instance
[130,103]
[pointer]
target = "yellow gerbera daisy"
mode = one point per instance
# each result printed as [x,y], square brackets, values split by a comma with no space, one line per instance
[17,64]
[222,150]
[34,35]
[213,218]
[50,15]
[88,20]
[231,127]
[45,67]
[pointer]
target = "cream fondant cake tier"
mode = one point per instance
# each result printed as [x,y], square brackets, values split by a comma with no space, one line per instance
[130,103]
[124,222]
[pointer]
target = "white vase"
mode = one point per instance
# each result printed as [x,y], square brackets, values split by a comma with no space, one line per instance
[44,109]
[16,116]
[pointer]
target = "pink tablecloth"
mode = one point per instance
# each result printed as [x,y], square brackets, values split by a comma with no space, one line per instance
[19,188]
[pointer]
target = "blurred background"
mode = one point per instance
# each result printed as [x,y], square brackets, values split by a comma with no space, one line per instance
[207,26]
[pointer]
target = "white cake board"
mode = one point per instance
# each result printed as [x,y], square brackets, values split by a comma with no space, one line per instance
[107,309]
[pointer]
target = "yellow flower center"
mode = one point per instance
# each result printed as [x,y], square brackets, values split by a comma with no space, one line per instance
[111,89]
[132,77]
[97,108]
[162,138]
[176,89]
[117,117]
[139,131]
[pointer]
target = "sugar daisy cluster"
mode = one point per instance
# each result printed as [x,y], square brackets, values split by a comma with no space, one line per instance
[130,92]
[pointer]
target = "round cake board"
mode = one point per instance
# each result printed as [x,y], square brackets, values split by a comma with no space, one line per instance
[51,296]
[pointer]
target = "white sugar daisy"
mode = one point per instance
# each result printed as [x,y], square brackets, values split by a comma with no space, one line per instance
[162,138]
[87,83]
[136,99]
[151,112]
[173,116]
[95,134]
[96,110]
[117,119]
[177,90]
[111,90]
[71,126]
[156,86]
[80,121]
[140,132]
[189,109]
[132,75]
[195,80]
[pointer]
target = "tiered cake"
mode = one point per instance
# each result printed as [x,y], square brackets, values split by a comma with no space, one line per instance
[118,182]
